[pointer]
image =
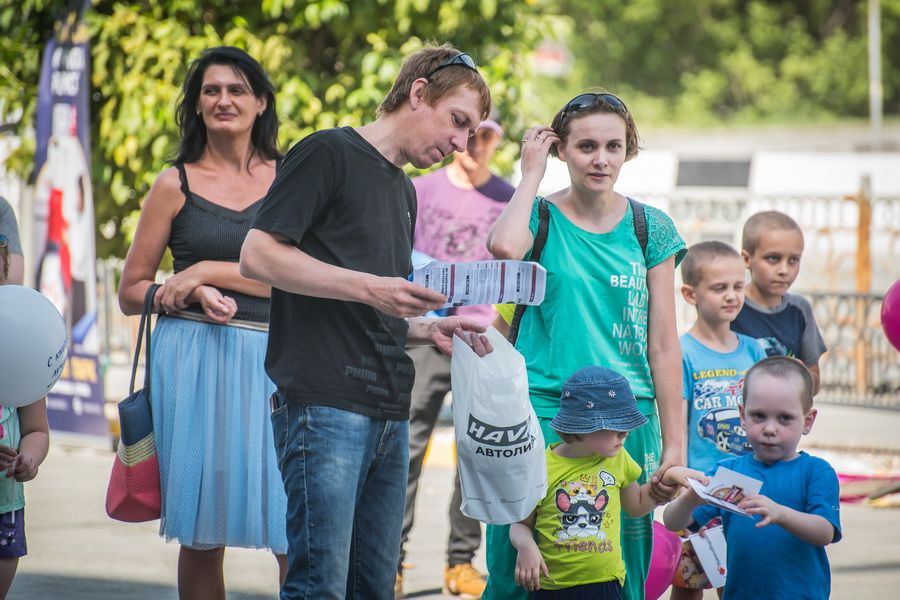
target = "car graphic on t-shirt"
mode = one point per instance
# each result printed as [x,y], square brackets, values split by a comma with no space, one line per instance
[723,428]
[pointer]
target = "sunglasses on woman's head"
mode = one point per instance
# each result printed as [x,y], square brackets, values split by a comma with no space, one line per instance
[463,60]
[592,99]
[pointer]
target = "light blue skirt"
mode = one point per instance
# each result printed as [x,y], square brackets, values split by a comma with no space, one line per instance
[218,473]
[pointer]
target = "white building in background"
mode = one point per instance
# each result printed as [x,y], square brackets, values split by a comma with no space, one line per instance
[711,181]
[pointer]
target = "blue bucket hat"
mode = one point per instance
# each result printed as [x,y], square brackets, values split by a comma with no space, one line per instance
[596,398]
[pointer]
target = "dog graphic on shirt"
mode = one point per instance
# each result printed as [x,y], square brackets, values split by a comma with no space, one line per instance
[580,517]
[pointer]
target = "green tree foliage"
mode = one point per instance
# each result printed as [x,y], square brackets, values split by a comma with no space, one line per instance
[697,62]
[331,61]
[709,61]
[24,28]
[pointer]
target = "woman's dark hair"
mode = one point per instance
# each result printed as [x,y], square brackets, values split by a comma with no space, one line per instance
[264,136]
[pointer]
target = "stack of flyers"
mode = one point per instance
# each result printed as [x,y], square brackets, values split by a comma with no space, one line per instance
[484,281]
[726,489]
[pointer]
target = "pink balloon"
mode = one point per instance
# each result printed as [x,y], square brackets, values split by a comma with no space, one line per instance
[663,561]
[890,314]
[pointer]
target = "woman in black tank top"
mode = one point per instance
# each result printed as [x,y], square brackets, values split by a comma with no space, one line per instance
[220,484]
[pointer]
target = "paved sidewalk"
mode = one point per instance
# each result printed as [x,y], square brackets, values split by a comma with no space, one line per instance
[78,553]
[854,427]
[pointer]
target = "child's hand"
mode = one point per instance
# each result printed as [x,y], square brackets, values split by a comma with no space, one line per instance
[660,491]
[7,459]
[529,566]
[26,468]
[771,511]
[680,475]
[702,531]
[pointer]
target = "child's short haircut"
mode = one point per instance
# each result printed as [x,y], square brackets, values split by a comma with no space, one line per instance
[700,255]
[569,438]
[769,219]
[782,367]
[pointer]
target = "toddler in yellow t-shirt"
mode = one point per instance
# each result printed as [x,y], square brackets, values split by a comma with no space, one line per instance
[569,546]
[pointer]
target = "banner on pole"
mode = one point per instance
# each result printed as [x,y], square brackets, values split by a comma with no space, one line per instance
[64,245]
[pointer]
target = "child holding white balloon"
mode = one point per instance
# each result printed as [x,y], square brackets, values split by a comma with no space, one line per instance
[24,443]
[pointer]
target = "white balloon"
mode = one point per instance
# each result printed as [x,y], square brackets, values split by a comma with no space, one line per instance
[34,345]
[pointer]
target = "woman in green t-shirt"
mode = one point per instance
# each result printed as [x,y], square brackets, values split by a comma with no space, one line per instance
[609,302]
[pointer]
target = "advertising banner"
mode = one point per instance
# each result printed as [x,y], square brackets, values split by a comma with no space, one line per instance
[64,251]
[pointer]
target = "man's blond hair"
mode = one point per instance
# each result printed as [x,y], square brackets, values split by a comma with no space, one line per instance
[440,83]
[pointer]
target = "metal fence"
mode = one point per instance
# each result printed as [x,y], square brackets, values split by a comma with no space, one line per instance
[829,223]
[860,368]
[117,331]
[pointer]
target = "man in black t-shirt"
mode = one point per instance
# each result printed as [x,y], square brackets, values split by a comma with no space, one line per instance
[333,239]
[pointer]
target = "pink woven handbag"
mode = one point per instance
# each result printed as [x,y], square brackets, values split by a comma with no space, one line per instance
[133,493]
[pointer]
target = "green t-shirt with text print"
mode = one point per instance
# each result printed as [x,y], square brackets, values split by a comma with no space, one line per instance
[595,308]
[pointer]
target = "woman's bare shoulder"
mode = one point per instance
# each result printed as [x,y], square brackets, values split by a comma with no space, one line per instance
[165,194]
[167,181]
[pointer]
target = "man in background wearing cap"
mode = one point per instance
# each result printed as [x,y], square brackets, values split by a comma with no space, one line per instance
[457,206]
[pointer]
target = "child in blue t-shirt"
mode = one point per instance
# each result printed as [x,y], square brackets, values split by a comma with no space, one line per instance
[714,361]
[781,554]
[772,245]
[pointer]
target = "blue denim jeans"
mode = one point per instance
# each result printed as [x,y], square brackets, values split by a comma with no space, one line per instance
[345,479]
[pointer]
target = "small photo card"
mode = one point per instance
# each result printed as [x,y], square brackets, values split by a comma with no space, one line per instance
[726,489]
[711,550]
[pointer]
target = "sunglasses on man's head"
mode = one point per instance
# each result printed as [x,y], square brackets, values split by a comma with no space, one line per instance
[592,99]
[463,60]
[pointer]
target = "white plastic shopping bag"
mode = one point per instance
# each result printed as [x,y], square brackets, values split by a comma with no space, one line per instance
[500,447]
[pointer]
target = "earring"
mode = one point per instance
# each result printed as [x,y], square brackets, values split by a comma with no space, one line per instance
[198,112]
